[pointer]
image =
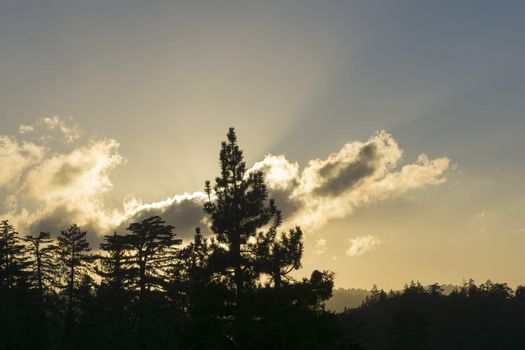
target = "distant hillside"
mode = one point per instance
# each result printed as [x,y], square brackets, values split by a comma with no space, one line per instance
[349,298]
[353,297]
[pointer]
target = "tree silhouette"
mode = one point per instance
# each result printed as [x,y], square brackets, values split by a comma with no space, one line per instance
[152,245]
[114,262]
[43,269]
[113,298]
[238,206]
[233,290]
[255,262]
[13,261]
[279,256]
[153,250]
[190,273]
[74,257]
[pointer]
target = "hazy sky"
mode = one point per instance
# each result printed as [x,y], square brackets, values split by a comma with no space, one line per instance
[111,110]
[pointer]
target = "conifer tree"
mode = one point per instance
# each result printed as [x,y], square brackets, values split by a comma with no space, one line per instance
[191,274]
[13,261]
[113,295]
[43,269]
[279,256]
[152,244]
[74,257]
[114,262]
[196,256]
[152,247]
[238,206]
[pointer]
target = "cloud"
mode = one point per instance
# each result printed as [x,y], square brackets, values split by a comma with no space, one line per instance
[320,246]
[47,188]
[26,129]
[71,132]
[56,187]
[185,212]
[68,188]
[341,177]
[362,244]
[15,158]
[67,128]
[358,174]
[80,174]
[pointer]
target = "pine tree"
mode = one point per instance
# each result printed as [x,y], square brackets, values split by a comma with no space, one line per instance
[190,274]
[74,258]
[196,256]
[279,256]
[13,261]
[113,296]
[114,262]
[43,269]
[152,245]
[238,206]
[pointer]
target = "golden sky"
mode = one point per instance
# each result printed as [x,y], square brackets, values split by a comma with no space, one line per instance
[392,133]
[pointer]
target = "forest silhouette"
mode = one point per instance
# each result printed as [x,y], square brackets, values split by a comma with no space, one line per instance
[147,289]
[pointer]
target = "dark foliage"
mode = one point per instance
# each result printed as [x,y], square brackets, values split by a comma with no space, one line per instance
[488,316]
[146,290]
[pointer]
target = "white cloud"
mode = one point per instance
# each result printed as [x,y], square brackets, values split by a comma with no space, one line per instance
[358,174]
[71,132]
[57,188]
[44,186]
[362,244]
[320,246]
[68,188]
[45,126]
[15,158]
[133,205]
[279,172]
[82,173]
[26,129]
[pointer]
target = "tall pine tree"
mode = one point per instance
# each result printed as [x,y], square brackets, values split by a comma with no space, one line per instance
[13,261]
[238,206]
[43,269]
[74,258]
[114,262]
[152,244]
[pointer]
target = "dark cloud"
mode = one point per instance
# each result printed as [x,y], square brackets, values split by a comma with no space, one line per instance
[62,217]
[284,202]
[58,219]
[185,215]
[341,177]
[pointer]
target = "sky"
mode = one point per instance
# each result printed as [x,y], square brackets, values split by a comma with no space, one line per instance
[392,132]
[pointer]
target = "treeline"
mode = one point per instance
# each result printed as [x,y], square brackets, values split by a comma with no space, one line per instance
[146,289]
[486,316]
